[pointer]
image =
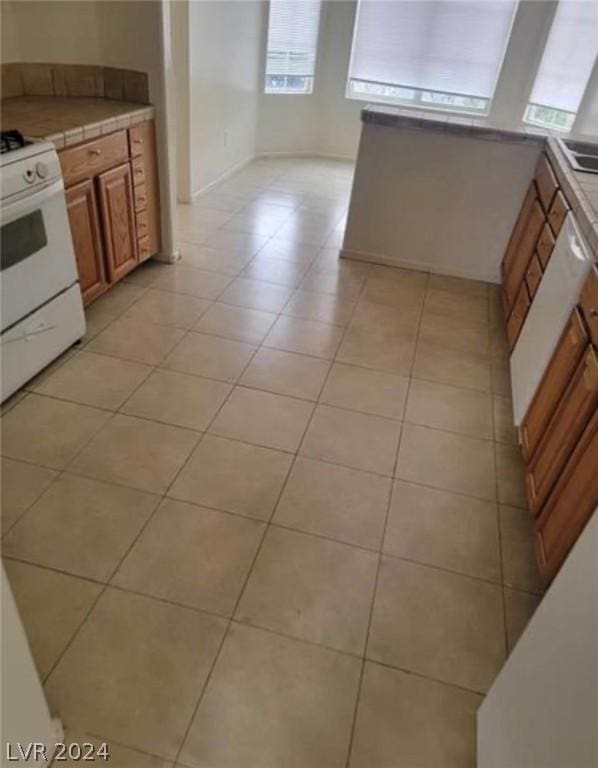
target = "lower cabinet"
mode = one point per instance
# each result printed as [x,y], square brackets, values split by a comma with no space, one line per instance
[115,189]
[82,211]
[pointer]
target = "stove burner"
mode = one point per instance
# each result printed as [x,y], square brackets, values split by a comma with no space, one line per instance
[10,140]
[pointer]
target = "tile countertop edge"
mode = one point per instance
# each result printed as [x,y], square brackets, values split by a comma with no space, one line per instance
[582,194]
[84,132]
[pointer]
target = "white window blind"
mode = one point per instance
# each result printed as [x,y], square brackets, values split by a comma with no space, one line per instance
[443,47]
[292,44]
[569,56]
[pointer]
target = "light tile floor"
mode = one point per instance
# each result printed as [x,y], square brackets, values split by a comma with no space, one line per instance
[270,512]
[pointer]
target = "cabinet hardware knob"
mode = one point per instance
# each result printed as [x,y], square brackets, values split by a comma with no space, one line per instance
[137,141]
[95,152]
[594,312]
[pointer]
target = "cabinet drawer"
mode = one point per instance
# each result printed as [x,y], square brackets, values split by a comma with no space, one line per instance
[87,160]
[138,171]
[137,138]
[521,249]
[518,315]
[545,245]
[564,430]
[140,194]
[589,304]
[558,211]
[142,223]
[570,505]
[143,248]
[558,374]
[533,275]
[546,182]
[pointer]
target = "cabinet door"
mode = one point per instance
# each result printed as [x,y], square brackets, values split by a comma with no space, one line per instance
[142,139]
[570,505]
[564,430]
[518,315]
[522,246]
[82,210]
[558,374]
[118,219]
[589,304]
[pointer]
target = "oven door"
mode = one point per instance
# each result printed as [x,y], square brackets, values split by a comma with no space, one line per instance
[36,251]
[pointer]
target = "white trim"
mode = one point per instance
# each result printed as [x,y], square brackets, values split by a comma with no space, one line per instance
[306,153]
[419,265]
[223,176]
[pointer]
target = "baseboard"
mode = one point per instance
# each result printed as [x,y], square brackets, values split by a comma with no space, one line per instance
[306,153]
[232,170]
[422,266]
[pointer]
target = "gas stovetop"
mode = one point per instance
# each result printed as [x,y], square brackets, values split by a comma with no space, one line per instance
[12,140]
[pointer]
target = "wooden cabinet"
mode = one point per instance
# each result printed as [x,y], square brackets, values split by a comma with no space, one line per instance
[118,217]
[589,304]
[571,503]
[112,192]
[521,248]
[518,315]
[533,276]
[566,358]
[82,210]
[578,403]
[546,182]
[545,245]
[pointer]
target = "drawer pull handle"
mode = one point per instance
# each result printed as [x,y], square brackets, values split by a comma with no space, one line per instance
[95,152]
[594,312]
[137,141]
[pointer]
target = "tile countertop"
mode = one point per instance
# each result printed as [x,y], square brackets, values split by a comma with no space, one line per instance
[581,189]
[70,120]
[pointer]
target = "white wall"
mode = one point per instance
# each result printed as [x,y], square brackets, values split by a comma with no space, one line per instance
[225,64]
[542,710]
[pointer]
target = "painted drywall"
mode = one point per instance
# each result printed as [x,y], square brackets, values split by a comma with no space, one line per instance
[124,34]
[542,709]
[436,201]
[225,63]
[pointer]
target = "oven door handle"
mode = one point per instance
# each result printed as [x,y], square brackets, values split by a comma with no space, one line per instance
[29,203]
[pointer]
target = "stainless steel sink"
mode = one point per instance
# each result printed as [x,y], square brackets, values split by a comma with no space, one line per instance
[582,155]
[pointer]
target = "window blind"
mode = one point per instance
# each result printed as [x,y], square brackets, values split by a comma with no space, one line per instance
[446,46]
[569,56]
[292,37]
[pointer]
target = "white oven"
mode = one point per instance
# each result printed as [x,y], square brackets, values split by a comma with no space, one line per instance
[41,310]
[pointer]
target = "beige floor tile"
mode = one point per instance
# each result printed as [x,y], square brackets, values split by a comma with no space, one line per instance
[138,341]
[499,345]
[273,702]
[437,362]
[385,351]
[322,307]
[49,432]
[274,271]
[497,314]
[138,453]
[437,624]
[245,243]
[21,485]
[240,323]
[405,720]
[354,439]
[167,308]
[381,319]
[406,293]
[288,250]
[51,369]
[361,389]
[195,282]
[504,429]
[520,569]
[52,606]
[343,285]
[120,757]
[459,286]
[262,418]
[447,461]
[255,294]
[119,298]
[501,377]
[459,334]
[11,401]
[96,320]
[212,259]
[286,373]
[146,663]
[80,526]
[233,476]
[408,277]
[336,502]
[193,556]
[145,274]
[92,379]
[179,399]
[510,471]
[311,588]
[211,356]
[444,529]
[458,305]
[455,409]
[306,337]
[519,608]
